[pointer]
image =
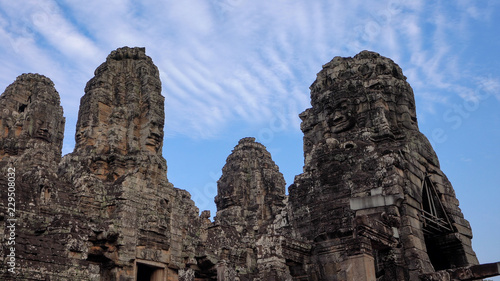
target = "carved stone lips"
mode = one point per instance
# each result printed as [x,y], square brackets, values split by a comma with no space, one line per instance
[43,134]
[339,120]
[341,123]
[153,139]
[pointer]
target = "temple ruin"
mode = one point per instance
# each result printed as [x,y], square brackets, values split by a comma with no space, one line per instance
[371,204]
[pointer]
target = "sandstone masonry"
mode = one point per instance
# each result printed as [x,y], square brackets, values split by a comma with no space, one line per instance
[371,203]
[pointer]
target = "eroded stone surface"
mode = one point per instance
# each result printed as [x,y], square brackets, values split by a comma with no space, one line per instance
[41,215]
[251,189]
[251,193]
[108,206]
[32,122]
[120,174]
[366,166]
[371,203]
[121,114]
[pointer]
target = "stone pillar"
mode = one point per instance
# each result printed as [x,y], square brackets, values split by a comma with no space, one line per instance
[360,268]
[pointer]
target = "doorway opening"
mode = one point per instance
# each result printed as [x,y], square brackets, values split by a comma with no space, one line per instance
[146,271]
[444,248]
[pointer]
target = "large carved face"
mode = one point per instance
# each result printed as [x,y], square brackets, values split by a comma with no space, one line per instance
[40,124]
[343,117]
[155,137]
[381,118]
[6,123]
[37,123]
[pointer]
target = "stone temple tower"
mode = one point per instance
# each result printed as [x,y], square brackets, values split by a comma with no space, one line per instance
[372,196]
[371,204]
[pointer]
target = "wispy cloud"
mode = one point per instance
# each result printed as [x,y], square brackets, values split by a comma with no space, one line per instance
[51,24]
[226,60]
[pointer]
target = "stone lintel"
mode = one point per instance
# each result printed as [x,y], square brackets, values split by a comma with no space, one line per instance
[485,270]
[469,273]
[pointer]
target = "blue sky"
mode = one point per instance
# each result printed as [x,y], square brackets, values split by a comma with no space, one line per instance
[237,68]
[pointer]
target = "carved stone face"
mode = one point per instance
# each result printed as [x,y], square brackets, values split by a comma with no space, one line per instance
[5,123]
[42,126]
[384,120]
[155,137]
[80,137]
[32,119]
[381,122]
[37,123]
[343,117]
